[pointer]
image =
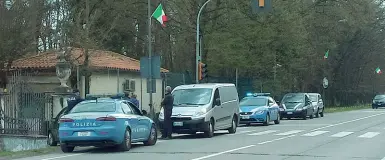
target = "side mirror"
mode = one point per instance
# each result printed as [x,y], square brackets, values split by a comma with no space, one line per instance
[144,112]
[270,104]
[218,101]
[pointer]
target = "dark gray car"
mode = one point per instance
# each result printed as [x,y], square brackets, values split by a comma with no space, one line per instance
[378,101]
[318,104]
[297,105]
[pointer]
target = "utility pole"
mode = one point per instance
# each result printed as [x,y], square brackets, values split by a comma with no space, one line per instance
[150,57]
[198,56]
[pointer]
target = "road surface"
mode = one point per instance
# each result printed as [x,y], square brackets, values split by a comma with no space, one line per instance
[358,135]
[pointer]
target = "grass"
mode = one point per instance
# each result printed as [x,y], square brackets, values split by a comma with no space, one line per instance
[345,108]
[27,153]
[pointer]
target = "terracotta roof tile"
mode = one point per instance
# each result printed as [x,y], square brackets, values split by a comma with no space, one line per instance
[98,59]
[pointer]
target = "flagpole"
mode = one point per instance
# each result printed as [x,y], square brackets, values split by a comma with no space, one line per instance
[150,57]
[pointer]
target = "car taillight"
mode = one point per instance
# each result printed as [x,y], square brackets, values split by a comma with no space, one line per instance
[66,120]
[106,119]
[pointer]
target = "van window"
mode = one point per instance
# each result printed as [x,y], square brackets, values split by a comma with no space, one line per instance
[228,93]
[193,96]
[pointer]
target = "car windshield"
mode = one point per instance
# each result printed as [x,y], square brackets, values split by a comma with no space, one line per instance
[253,102]
[94,107]
[193,96]
[313,97]
[379,96]
[293,98]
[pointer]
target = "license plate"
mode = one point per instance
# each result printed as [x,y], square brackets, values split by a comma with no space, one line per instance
[83,134]
[289,112]
[178,123]
[245,117]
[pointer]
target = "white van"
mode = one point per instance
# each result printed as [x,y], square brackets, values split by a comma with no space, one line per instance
[204,108]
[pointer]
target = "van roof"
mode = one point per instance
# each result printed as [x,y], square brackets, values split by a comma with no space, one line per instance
[205,85]
[313,93]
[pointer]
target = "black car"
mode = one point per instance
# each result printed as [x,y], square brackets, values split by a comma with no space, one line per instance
[378,101]
[53,137]
[296,105]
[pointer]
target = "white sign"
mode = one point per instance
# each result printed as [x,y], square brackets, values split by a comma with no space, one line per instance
[325,83]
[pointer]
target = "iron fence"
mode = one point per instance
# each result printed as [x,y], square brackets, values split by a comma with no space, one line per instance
[25,111]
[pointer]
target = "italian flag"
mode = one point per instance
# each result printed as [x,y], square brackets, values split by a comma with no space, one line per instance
[159,15]
[326,54]
[378,70]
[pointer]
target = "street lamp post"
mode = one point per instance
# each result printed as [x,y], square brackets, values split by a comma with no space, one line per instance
[198,55]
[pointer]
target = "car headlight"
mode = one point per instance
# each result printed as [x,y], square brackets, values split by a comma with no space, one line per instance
[161,113]
[299,109]
[257,111]
[200,112]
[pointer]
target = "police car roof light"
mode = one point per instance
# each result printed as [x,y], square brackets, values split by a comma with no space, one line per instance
[249,94]
[261,94]
[118,96]
[112,96]
[257,94]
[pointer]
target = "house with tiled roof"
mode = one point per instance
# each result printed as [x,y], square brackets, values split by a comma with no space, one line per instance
[110,73]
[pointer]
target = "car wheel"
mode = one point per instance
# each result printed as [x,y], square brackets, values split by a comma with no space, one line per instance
[50,140]
[66,149]
[267,122]
[233,127]
[278,120]
[126,144]
[317,114]
[152,138]
[210,129]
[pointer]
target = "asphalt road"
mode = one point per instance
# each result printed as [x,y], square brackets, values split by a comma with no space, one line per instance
[358,135]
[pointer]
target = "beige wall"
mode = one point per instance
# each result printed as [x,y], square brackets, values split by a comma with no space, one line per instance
[102,83]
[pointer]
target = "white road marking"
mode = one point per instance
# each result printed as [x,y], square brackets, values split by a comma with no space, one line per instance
[373,111]
[383,158]
[60,157]
[220,153]
[315,133]
[236,149]
[369,135]
[341,134]
[262,133]
[299,125]
[276,139]
[332,125]
[289,132]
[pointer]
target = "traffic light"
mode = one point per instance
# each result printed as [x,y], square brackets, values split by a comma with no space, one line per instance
[202,71]
[261,3]
[261,6]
